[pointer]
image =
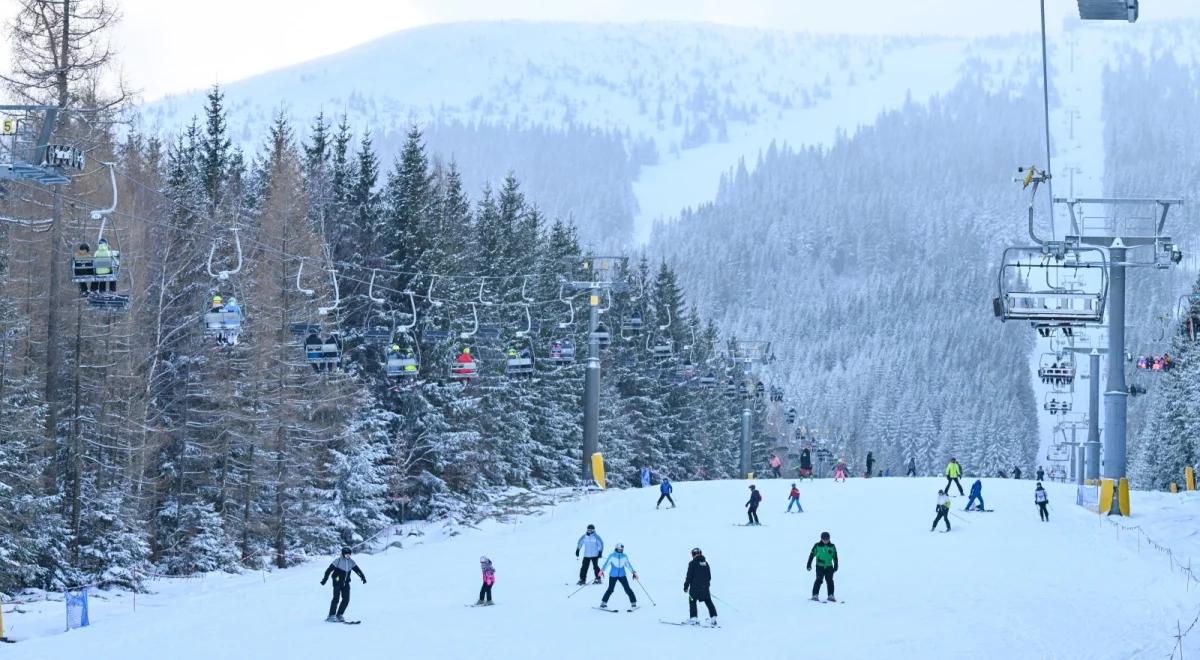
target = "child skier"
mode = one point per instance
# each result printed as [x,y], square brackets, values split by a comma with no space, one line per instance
[827,564]
[752,506]
[794,498]
[696,585]
[839,470]
[619,562]
[593,547]
[976,494]
[665,490]
[341,568]
[1040,499]
[943,510]
[489,578]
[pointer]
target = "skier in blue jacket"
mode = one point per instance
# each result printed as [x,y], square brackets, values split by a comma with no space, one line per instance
[593,547]
[620,563]
[976,494]
[665,489]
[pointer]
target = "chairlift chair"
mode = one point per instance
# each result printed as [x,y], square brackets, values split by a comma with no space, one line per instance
[1027,292]
[1053,367]
[562,351]
[222,323]
[632,324]
[791,415]
[463,370]
[518,363]
[401,366]
[708,380]
[1108,10]
[325,354]
[602,336]
[1056,404]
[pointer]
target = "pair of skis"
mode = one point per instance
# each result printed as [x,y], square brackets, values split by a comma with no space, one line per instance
[687,624]
[615,610]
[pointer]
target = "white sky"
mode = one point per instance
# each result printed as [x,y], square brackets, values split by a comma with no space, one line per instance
[175,45]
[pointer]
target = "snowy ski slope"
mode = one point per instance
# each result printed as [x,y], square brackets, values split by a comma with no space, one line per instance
[1001,585]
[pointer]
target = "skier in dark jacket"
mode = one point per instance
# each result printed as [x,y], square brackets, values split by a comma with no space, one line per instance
[912,467]
[976,494]
[870,464]
[827,564]
[1017,472]
[752,506]
[341,568]
[695,585]
[1040,499]
[805,463]
[1041,474]
[665,489]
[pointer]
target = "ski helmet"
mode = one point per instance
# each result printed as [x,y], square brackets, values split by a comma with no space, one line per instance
[484,560]
[824,536]
[696,551]
[345,549]
[591,528]
[620,547]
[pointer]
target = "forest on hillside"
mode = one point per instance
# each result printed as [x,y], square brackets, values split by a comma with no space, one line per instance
[870,264]
[141,439]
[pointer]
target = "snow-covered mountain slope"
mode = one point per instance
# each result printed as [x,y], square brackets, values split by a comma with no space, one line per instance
[1000,585]
[686,100]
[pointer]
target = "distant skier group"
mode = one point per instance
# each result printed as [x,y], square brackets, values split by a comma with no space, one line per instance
[697,582]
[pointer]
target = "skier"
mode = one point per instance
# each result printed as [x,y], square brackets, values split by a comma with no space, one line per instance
[953,472]
[912,467]
[644,475]
[943,510]
[827,564]
[775,465]
[805,463]
[103,262]
[489,578]
[976,494]
[619,562]
[83,266]
[593,547]
[1017,472]
[1040,499]
[794,498]
[341,568]
[312,350]
[464,365]
[870,464]
[1041,474]
[695,585]
[752,506]
[839,470]
[664,490]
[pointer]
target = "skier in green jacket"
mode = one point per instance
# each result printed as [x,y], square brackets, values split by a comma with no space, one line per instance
[827,564]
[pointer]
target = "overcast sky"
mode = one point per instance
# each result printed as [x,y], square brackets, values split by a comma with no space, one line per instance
[175,45]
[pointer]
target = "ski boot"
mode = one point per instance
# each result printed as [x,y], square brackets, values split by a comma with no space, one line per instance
[480,602]
[603,605]
[581,583]
[831,599]
[633,606]
[597,580]
[331,619]
[712,621]
[339,619]
[815,598]
[693,621]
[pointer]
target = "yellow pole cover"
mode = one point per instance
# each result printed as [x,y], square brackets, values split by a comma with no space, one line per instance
[1106,494]
[598,469]
[1189,475]
[1123,496]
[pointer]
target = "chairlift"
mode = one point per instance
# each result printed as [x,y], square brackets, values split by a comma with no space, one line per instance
[401,365]
[464,367]
[602,336]
[1023,299]
[518,363]
[776,394]
[1053,367]
[562,351]
[759,390]
[791,415]
[1108,10]
[708,380]
[1056,404]
[632,323]
[323,353]
[224,323]
[570,322]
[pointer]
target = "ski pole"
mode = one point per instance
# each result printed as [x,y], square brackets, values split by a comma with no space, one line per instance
[646,592]
[960,517]
[723,602]
[577,590]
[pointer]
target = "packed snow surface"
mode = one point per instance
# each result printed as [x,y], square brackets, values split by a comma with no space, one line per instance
[1001,585]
